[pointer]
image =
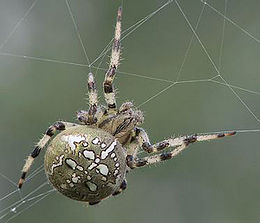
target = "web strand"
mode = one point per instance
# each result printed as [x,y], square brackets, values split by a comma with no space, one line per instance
[40,196]
[190,44]
[218,67]
[222,38]
[18,24]
[182,64]
[41,59]
[131,29]
[8,179]
[231,21]
[78,33]
[213,63]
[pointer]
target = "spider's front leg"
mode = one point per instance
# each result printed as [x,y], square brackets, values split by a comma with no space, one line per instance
[93,99]
[89,117]
[109,91]
[57,126]
[178,144]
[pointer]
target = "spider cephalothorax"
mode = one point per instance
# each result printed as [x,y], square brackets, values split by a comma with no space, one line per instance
[88,161]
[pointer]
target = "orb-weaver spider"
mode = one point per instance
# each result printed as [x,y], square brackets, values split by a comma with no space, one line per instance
[89,161]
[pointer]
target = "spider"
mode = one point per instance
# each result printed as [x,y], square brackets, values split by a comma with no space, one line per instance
[89,161]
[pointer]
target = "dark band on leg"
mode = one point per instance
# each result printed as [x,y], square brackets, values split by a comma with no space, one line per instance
[23,175]
[140,163]
[36,152]
[57,126]
[108,88]
[147,147]
[165,156]
[123,185]
[190,139]
[21,181]
[112,105]
[130,161]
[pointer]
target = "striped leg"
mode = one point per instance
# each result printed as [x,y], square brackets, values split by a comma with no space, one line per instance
[109,91]
[57,126]
[93,99]
[178,144]
[89,117]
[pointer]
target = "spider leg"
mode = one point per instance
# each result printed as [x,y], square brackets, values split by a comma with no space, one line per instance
[109,91]
[178,144]
[57,126]
[89,117]
[93,99]
[122,187]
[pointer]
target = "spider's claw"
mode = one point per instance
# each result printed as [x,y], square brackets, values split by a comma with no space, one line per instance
[20,183]
[119,13]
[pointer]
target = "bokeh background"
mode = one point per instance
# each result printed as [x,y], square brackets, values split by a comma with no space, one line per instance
[215,181]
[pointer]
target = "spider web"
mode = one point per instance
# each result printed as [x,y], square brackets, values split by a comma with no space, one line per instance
[203,46]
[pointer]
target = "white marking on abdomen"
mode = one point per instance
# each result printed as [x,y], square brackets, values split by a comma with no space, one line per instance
[103,169]
[105,153]
[103,145]
[116,172]
[80,168]
[92,165]
[91,186]
[96,141]
[75,179]
[89,154]
[113,155]
[57,164]
[71,139]
[71,163]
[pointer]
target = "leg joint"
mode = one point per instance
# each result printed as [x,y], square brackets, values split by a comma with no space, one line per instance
[190,139]
[166,156]
[147,147]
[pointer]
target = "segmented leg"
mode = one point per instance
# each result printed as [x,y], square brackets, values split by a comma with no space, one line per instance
[122,187]
[109,91]
[57,126]
[93,99]
[178,144]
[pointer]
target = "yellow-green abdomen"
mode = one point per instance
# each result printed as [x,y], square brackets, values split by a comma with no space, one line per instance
[85,164]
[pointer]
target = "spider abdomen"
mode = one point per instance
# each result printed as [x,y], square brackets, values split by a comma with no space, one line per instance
[85,164]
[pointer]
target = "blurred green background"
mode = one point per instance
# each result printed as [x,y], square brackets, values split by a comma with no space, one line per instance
[214,181]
